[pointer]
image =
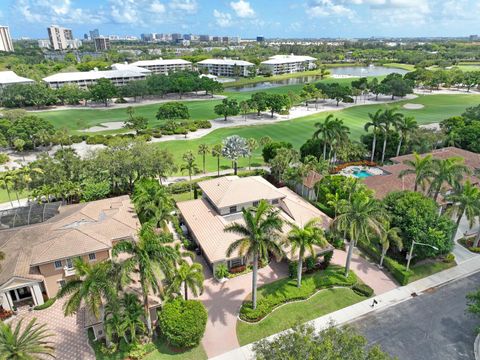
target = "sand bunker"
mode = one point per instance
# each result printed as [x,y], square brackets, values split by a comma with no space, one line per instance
[410,106]
[114,125]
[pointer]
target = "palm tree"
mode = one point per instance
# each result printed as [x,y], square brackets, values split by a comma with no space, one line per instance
[252,145]
[466,201]
[389,235]
[233,148]
[112,321]
[191,277]
[390,118]
[91,286]
[360,217]
[190,166]
[260,235]
[132,316]
[152,202]
[421,167]
[203,150]
[303,239]
[375,122]
[325,130]
[217,152]
[152,256]
[264,140]
[5,183]
[449,171]
[340,133]
[30,343]
[405,126]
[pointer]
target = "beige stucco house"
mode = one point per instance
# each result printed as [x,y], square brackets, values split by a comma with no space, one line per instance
[39,258]
[221,204]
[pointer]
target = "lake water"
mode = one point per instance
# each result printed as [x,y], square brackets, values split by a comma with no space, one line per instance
[357,71]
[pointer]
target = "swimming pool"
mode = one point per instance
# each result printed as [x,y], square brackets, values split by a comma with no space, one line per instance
[361,172]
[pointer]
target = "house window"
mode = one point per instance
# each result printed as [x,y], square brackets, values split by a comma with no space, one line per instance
[236,262]
[69,264]
[255,203]
[275,201]
[233,209]
[58,264]
[92,257]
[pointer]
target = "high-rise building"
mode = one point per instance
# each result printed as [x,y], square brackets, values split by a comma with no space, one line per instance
[260,39]
[5,39]
[102,43]
[61,38]
[94,34]
[176,37]
[205,38]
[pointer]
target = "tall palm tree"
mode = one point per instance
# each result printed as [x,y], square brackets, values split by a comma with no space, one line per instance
[190,276]
[153,257]
[190,166]
[376,121]
[132,316]
[217,152]
[340,133]
[6,183]
[203,150]
[389,235]
[449,171]
[325,131]
[421,167]
[113,322]
[91,286]
[252,145]
[260,235]
[390,118]
[152,202]
[360,217]
[30,343]
[303,239]
[233,148]
[466,201]
[405,126]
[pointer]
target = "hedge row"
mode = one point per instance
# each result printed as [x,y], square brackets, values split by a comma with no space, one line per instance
[46,304]
[398,271]
[363,289]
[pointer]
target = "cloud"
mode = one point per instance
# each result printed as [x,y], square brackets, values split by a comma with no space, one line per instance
[189,6]
[222,19]
[157,7]
[242,8]
[326,8]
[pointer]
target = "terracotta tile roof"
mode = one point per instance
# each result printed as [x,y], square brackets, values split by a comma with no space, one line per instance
[472,159]
[311,179]
[78,229]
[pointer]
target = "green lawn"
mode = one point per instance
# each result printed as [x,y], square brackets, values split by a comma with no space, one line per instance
[297,131]
[407,67]
[429,268]
[257,79]
[324,302]
[4,196]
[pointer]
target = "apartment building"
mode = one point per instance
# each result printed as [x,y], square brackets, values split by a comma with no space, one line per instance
[101,43]
[39,259]
[9,78]
[221,204]
[5,39]
[288,64]
[61,38]
[225,67]
[88,78]
[164,66]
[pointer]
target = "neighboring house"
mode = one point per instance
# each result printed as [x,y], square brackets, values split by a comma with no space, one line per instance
[39,258]
[391,181]
[164,66]
[222,203]
[225,67]
[307,187]
[288,64]
[9,78]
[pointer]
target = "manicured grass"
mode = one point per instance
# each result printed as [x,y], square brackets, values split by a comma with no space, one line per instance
[4,196]
[429,268]
[257,79]
[182,196]
[324,302]
[297,131]
[407,67]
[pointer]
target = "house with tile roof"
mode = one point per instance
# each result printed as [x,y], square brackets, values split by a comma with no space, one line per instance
[222,202]
[39,258]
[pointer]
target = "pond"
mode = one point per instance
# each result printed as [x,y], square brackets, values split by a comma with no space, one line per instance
[343,71]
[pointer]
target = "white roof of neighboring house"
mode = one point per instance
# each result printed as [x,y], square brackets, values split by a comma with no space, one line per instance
[228,191]
[130,67]
[161,62]
[9,77]
[225,62]
[92,75]
[285,59]
[210,76]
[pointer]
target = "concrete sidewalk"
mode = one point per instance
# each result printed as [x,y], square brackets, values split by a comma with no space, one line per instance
[385,301]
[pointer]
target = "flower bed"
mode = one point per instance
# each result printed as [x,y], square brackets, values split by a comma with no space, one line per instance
[339,168]
[283,291]
[5,314]
[468,244]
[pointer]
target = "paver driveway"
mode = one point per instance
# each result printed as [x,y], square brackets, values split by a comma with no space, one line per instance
[69,336]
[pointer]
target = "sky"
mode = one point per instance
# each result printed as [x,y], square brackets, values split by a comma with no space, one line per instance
[246,18]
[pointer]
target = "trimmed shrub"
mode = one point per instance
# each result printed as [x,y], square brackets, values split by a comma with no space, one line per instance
[363,289]
[221,271]
[310,263]
[292,269]
[46,304]
[449,258]
[183,322]
[327,258]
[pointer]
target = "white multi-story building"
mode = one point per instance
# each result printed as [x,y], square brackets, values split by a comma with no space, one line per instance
[287,64]
[101,43]
[5,39]
[164,66]
[9,78]
[225,67]
[61,38]
[87,78]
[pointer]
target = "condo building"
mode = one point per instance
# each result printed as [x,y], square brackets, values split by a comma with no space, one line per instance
[225,67]
[61,38]
[101,43]
[5,39]
[164,66]
[288,64]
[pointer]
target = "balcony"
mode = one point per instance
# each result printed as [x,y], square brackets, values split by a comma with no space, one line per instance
[69,271]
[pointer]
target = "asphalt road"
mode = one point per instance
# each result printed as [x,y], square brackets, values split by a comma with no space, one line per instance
[432,326]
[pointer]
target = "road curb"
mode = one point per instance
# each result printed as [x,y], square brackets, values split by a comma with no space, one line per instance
[476,347]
